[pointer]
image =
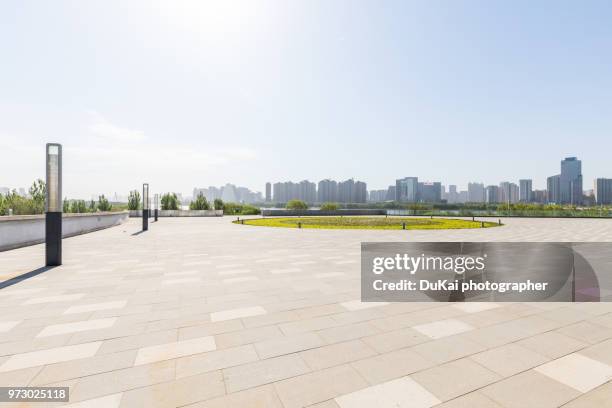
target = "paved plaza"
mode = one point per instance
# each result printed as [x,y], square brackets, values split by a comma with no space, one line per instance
[200,312]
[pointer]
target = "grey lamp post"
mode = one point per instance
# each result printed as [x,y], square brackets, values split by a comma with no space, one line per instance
[156,200]
[145,206]
[53,205]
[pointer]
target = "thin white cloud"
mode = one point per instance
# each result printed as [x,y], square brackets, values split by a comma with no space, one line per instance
[106,130]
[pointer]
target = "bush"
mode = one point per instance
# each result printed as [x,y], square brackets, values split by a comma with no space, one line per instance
[78,207]
[218,204]
[296,205]
[200,203]
[103,204]
[240,209]
[169,201]
[329,206]
[134,200]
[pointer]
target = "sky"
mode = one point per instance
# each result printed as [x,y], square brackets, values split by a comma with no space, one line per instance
[184,94]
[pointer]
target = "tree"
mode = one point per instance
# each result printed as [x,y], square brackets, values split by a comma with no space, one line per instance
[169,201]
[92,206]
[103,204]
[78,207]
[38,194]
[218,204]
[296,205]
[200,203]
[134,200]
[66,205]
[329,206]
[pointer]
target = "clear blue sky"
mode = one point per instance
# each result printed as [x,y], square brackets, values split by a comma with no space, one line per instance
[184,94]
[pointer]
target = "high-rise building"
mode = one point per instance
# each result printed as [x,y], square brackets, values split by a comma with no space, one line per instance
[377,196]
[476,193]
[390,193]
[351,191]
[570,181]
[508,192]
[603,191]
[430,192]
[268,192]
[327,191]
[307,191]
[539,196]
[407,189]
[452,196]
[553,189]
[492,194]
[525,190]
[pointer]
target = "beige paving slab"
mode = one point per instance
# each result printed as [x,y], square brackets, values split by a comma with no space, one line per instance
[116,381]
[53,299]
[529,389]
[577,371]
[392,365]
[471,400]
[395,340]
[319,386]
[93,307]
[475,307]
[600,352]
[173,350]
[401,393]
[353,305]
[108,401]
[263,372]
[599,397]
[215,360]
[336,354]
[509,359]
[552,344]
[50,356]
[67,370]
[7,325]
[237,313]
[451,380]
[286,345]
[443,328]
[259,397]
[75,327]
[176,393]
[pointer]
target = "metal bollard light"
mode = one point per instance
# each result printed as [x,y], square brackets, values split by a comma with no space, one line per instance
[299,225]
[499,221]
[403,225]
[481,224]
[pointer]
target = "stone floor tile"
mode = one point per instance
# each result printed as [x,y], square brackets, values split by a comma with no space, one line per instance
[529,389]
[401,393]
[215,360]
[319,386]
[50,356]
[237,313]
[471,400]
[287,344]
[76,327]
[577,371]
[259,397]
[93,307]
[108,401]
[475,307]
[450,380]
[552,344]
[263,372]
[392,365]
[443,328]
[336,354]
[395,340]
[509,359]
[167,351]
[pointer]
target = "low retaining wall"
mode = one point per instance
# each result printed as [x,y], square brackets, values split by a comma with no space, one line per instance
[180,213]
[348,211]
[22,230]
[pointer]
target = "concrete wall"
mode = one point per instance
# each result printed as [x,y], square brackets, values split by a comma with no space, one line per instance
[23,230]
[348,211]
[181,213]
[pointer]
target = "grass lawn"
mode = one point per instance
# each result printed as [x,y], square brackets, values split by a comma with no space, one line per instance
[366,223]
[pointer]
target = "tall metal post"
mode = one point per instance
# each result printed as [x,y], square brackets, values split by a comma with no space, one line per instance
[53,205]
[156,206]
[145,206]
